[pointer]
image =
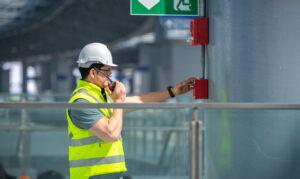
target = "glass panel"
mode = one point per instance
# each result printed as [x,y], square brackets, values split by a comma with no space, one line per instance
[261,144]
[155,142]
[31,98]
[41,146]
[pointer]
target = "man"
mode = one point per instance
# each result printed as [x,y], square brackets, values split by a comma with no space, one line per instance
[95,147]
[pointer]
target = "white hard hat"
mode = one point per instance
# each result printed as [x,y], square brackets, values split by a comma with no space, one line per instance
[95,53]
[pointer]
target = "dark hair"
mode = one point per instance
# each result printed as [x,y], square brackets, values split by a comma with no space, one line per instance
[50,174]
[4,174]
[85,71]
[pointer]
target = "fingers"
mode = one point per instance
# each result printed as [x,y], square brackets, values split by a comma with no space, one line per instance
[119,94]
[185,86]
[190,83]
[191,80]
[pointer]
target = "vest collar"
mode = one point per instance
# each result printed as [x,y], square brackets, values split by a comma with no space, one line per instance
[83,83]
[91,87]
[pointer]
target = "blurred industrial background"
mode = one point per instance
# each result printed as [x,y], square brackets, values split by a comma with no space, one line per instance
[252,56]
[42,40]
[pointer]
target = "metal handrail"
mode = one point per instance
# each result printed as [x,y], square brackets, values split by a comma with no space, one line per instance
[257,106]
[55,105]
[208,106]
[38,127]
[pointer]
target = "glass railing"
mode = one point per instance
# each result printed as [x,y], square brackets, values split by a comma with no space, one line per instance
[260,142]
[163,140]
[156,142]
[34,140]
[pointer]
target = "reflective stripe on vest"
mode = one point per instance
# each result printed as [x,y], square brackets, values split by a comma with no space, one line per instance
[84,141]
[97,161]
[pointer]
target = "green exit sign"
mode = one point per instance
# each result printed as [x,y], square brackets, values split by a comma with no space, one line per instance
[165,7]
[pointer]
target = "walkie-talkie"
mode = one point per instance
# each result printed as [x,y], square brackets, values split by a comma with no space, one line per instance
[112,83]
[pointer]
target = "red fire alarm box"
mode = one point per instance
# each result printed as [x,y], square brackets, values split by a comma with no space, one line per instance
[200,89]
[199,31]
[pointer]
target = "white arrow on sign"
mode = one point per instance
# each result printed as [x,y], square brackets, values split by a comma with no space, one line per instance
[182,5]
[149,3]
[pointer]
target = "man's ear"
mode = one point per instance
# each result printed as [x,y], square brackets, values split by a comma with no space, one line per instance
[92,73]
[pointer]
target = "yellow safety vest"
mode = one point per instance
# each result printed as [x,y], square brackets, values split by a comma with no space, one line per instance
[88,154]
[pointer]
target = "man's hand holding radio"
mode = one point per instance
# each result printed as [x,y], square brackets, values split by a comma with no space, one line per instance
[119,93]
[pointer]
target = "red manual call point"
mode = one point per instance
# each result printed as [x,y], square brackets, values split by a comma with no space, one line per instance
[200,89]
[199,31]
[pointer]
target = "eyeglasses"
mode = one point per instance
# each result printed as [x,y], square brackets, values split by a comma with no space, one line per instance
[101,69]
[105,72]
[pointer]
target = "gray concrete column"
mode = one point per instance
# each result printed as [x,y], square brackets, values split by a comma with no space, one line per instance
[24,77]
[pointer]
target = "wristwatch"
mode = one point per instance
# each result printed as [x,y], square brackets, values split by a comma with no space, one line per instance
[169,88]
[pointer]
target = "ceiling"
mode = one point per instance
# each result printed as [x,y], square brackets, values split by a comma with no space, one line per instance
[17,13]
[40,27]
